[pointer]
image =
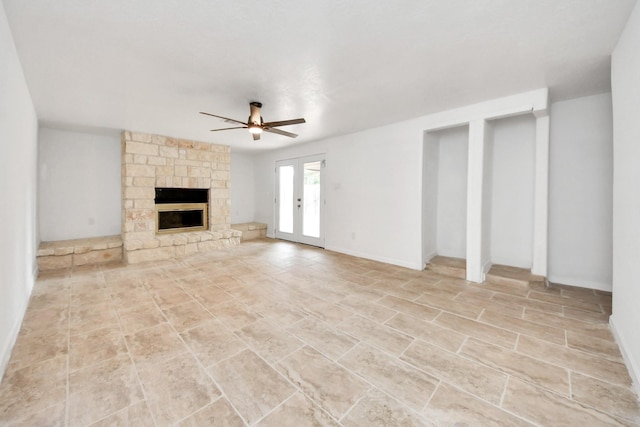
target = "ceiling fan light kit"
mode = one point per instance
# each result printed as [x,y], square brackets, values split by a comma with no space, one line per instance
[255,129]
[256,125]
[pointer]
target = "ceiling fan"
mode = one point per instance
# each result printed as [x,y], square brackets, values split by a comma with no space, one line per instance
[256,125]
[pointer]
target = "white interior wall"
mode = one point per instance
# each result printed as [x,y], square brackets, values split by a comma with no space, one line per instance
[80,184]
[373,192]
[452,192]
[625,69]
[580,193]
[512,190]
[374,180]
[242,188]
[18,189]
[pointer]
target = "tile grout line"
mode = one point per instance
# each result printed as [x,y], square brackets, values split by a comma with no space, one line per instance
[223,394]
[374,386]
[348,411]
[173,273]
[513,331]
[68,379]
[337,362]
[504,391]
[568,368]
[281,375]
[135,367]
[202,367]
[513,414]
[281,404]
[517,375]
[590,406]
[570,385]
[515,346]
[178,422]
[444,380]
[435,390]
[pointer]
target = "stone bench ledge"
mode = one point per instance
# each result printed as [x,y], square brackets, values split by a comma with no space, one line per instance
[249,226]
[251,230]
[76,252]
[78,246]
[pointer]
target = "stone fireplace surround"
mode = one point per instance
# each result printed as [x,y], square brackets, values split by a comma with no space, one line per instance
[150,161]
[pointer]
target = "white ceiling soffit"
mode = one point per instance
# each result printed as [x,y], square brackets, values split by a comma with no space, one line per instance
[151,66]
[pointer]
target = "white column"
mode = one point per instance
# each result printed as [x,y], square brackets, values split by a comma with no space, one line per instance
[430,167]
[541,196]
[475,180]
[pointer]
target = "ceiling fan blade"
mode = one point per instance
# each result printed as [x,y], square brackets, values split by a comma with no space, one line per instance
[239,127]
[280,132]
[284,123]
[226,119]
[256,136]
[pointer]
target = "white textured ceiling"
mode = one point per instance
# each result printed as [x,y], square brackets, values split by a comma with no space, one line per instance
[151,65]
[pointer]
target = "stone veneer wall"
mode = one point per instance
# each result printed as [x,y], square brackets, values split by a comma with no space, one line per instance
[150,161]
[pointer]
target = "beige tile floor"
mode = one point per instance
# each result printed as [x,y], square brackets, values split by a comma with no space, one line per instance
[278,334]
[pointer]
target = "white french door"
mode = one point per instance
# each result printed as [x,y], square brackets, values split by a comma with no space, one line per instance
[300,200]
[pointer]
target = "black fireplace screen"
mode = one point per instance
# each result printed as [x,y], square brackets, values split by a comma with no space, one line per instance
[180,219]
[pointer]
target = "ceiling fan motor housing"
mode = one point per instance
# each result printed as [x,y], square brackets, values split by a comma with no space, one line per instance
[255,118]
[257,125]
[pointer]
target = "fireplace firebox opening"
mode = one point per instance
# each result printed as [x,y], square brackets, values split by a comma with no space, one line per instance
[181,209]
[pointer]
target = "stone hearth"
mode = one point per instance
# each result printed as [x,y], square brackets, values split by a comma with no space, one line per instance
[150,161]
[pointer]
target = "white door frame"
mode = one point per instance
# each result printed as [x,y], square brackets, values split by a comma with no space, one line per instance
[297,234]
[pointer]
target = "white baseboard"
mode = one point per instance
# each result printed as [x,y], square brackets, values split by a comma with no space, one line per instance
[519,263]
[485,270]
[428,257]
[10,341]
[451,254]
[580,283]
[401,263]
[35,271]
[632,365]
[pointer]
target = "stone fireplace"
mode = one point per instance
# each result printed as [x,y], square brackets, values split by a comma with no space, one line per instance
[151,163]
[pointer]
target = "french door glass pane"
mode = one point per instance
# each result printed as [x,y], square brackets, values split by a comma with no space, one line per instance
[311,197]
[285,223]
